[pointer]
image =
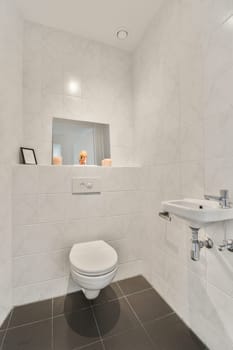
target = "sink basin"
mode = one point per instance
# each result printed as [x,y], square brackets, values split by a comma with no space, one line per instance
[198,212]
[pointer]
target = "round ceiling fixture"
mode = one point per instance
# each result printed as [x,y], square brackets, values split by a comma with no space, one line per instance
[122,34]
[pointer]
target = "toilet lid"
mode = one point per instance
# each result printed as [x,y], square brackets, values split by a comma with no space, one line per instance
[93,258]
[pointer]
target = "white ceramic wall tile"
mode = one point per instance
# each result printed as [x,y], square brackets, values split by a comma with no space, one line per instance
[218,175]
[123,202]
[182,82]
[32,75]
[63,219]
[85,171]
[25,209]
[74,107]
[171,181]
[84,205]
[129,269]
[52,207]
[174,240]
[221,310]
[25,179]
[54,179]
[120,179]
[5,285]
[218,125]
[53,57]
[192,134]
[192,179]
[125,250]
[109,228]
[37,268]
[121,156]
[220,270]
[76,231]
[52,74]
[38,238]
[44,290]
[51,106]
[10,135]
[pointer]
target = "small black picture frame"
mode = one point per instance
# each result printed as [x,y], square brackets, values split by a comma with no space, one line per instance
[28,156]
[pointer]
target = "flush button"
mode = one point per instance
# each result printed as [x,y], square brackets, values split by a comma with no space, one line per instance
[81,185]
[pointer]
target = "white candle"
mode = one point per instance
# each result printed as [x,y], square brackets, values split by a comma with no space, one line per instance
[57,160]
[107,162]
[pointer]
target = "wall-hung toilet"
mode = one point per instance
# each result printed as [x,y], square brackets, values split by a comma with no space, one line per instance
[93,266]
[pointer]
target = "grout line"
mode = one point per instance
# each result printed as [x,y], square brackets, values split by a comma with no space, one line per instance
[161,317]
[83,347]
[140,322]
[133,293]
[29,323]
[97,326]
[61,250]
[71,220]
[72,312]
[107,301]
[138,319]
[121,297]
[138,292]
[120,333]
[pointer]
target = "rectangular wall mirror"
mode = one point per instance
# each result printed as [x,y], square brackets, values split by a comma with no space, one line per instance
[70,137]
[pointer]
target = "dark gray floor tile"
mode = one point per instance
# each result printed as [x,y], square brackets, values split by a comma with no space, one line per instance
[31,313]
[74,330]
[36,336]
[95,346]
[115,317]
[171,333]
[135,339]
[148,305]
[74,325]
[109,293]
[135,284]
[5,323]
[70,303]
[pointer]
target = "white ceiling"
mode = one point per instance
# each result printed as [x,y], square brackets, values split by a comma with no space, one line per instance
[94,19]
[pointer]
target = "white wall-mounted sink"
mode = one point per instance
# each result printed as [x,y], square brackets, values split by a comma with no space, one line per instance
[198,212]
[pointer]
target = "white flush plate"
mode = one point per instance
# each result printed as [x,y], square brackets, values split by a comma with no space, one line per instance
[86,185]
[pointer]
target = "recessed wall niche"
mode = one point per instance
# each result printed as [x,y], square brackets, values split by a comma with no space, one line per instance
[70,137]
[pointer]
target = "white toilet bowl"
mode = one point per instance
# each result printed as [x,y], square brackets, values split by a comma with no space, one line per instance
[93,266]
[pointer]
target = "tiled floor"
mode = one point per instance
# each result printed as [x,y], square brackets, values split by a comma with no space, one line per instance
[128,315]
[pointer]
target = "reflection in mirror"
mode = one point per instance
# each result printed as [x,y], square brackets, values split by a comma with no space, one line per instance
[71,137]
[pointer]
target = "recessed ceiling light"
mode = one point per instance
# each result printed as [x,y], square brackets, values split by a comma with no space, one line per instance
[122,34]
[73,87]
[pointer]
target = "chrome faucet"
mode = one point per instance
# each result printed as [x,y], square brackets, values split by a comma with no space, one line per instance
[226,244]
[223,199]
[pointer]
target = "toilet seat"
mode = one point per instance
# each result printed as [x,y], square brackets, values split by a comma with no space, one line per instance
[93,258]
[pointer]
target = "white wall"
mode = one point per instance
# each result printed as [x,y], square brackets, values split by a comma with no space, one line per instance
[48,220]
[51,58]
[10,133]
[183,136]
